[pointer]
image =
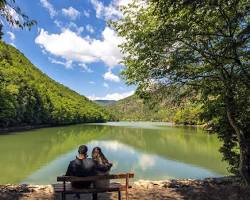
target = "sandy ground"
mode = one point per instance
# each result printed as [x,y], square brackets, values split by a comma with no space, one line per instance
[214,189]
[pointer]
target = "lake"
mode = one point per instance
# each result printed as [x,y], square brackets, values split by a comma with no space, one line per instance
[151,150]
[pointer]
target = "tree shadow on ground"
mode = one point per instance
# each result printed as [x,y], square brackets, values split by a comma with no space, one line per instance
[9,192]
[207,190]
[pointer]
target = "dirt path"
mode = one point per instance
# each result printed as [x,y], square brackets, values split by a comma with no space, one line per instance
[209,189]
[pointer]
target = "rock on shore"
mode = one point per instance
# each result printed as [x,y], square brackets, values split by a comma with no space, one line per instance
[227,188]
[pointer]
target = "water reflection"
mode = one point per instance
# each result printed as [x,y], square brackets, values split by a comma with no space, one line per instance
[149,166]
[125,159]
[154,152]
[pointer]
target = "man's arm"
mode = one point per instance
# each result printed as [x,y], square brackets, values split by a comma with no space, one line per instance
[69,170]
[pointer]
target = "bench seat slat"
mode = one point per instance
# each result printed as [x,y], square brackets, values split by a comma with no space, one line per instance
[69,189]
[94,178]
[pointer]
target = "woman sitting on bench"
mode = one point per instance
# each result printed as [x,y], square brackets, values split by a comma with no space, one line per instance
[100,158]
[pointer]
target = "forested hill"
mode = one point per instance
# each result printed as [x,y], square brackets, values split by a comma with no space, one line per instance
[105,102]
[29,97]
[133,108]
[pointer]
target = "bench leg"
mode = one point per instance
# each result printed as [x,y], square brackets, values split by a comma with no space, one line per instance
[119,195]
[94,196]
[63,196]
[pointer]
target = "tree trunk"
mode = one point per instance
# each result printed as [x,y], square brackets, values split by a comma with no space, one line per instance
[244,165]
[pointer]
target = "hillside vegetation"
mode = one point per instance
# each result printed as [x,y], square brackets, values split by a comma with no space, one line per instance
[29,97]
[105,102]
[134,108]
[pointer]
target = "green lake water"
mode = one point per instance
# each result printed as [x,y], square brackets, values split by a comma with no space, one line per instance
[151,150]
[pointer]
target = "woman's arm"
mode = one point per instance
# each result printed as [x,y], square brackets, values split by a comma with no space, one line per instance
[103,168]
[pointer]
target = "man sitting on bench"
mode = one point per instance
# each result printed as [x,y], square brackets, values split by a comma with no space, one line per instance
[83,166]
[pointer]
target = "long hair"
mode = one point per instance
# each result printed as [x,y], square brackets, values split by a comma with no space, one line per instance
[98,156]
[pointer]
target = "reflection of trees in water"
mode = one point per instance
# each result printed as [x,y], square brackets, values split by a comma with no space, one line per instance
[28,151]
[187,145]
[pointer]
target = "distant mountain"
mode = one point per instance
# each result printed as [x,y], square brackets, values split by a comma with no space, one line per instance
[133,108]
[30,97]
[105,102]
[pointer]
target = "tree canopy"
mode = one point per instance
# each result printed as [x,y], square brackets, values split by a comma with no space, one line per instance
[204,44]
[29,97]
[174,107]
[14,16]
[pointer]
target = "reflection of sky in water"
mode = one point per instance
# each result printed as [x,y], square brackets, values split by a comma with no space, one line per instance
[144,125]
[125,159]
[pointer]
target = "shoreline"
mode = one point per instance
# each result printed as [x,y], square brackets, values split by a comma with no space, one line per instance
[178,189]
[23,128]
[34,127]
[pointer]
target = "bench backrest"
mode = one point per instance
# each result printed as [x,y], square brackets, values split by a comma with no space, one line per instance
[94,178]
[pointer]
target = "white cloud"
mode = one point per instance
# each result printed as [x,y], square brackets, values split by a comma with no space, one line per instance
[106,85]
[114,146]
[72,26]
[86,13]
[11,35]
[146,161]
[111,77]
[114,96]
[92,82]
[111,11]
[108,12]
[85,67]
[46,4]
[13,44]
[90,28]
[78,29]
[88,50]
[67,64]
[123,2]
[44,52]
[71,12]
[107,49]
[58,24]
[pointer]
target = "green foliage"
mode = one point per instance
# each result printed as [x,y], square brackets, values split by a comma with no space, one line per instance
[190,114]
[105,102]
[134,108]
[204,44]
[14,16]
[18,19]
[29,97]
[217,115]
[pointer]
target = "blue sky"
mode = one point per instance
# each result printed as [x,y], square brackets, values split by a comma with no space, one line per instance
[73,44]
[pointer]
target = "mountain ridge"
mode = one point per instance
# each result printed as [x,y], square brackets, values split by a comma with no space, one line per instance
[104,101]
[134,108]
[30,97]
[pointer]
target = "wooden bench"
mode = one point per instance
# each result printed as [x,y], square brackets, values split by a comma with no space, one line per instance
[65,188]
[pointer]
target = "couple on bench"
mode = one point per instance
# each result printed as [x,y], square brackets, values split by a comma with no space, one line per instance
[83,166]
